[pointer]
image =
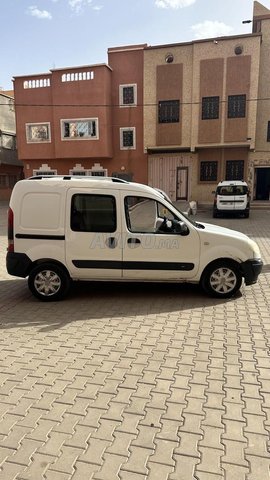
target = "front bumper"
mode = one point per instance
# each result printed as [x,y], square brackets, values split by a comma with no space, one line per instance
[251,269]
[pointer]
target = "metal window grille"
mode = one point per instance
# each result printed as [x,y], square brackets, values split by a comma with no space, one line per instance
[268,132]
[236,106]
[168,111]
[208,171]
[235,169]
[101,173]
[128,139]
[128,95]
[210,108]
[79,129]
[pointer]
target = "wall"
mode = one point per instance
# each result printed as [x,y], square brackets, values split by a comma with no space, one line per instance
[127,65]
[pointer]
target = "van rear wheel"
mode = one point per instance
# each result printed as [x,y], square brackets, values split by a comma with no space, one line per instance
[49,282]
[221,279]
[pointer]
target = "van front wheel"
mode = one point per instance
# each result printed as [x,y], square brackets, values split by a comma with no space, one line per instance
[49,282]
[221,279]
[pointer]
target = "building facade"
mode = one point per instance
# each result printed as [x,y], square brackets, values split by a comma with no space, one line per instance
[10,166]
[179,117]
[202,125]
[86,120]
[259,158]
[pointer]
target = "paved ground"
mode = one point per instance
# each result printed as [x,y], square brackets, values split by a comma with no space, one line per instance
[130,382]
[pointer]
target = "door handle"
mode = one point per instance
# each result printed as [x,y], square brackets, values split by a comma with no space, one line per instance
[111,242]
[133,240]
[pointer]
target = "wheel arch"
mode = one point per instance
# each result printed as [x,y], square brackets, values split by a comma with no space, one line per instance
[40,261]
[221,259]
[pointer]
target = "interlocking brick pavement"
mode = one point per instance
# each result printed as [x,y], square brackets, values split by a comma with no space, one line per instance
[131,382]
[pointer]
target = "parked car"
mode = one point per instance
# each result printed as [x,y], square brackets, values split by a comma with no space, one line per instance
[77,228]
[231,196]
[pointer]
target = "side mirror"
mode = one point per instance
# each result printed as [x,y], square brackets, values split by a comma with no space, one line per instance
[181,227]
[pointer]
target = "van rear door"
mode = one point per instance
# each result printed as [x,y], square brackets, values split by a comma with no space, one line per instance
[93,234]
[226,198]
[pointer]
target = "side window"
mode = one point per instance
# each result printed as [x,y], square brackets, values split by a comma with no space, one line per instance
[93,213]
[141,214]
[145,215]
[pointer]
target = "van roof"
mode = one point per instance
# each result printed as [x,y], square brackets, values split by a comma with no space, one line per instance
[76,177]
[66,181]
[231,182]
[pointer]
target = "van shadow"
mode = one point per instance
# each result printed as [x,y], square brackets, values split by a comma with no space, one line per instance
[95,302]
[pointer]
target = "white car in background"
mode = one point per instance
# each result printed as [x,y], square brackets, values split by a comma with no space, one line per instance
[231,196]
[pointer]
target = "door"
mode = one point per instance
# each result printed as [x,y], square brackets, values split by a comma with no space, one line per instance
[182,183]
[262,183]
[152,250]
[93,234]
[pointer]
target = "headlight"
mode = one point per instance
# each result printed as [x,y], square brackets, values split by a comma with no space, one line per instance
[255,249]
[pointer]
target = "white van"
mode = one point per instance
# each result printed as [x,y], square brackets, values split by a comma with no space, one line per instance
[231,196]
[72,228]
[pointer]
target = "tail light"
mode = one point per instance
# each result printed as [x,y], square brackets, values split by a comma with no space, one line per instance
[10,230]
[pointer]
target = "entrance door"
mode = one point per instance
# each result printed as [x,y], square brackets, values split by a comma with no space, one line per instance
[182,183]
[262,183]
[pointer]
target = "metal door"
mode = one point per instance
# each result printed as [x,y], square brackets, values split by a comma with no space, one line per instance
[182,183]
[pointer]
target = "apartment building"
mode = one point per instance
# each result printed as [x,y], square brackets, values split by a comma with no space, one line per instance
[85,120]
[10,166]
[179,117]
[208,113]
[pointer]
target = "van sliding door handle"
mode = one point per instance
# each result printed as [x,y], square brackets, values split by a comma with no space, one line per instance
[133,240]
[111,242]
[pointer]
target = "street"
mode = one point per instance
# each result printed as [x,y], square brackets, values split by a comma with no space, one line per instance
[136,381]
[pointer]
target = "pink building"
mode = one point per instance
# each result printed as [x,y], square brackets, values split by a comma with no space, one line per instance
[86,120]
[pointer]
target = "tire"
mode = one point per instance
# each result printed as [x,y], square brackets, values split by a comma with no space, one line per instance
[246,214]
[215,213]
[221,279]
[49,282]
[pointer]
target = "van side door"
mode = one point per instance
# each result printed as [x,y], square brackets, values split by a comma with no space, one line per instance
[153,246]
[93,234]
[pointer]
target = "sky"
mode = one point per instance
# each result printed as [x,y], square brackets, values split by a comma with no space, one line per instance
[39,35]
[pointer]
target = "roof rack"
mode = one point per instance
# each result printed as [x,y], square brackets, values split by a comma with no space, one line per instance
[81,177]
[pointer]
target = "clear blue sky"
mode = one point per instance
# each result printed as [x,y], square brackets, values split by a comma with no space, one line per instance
[39,35]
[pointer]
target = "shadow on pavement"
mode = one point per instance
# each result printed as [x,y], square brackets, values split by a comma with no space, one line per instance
[94,301]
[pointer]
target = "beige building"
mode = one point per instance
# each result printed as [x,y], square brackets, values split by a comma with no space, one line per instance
[259,158]
[206,118]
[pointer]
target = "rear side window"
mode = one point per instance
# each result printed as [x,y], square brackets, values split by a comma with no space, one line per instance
[93,213]
[232,190]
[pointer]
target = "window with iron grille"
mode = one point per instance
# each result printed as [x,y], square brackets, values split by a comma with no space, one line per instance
[79,129]
[268,132]
[208,171]
[101,173]
[235,169]
[127,138]
[210,108]
[236,106]
[38,132]
[168,111]
[44,172]
[128,95]
[8,141]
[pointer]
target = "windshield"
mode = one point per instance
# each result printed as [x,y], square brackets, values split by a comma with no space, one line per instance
[232,190]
